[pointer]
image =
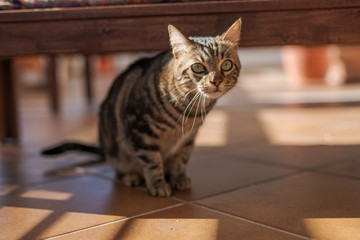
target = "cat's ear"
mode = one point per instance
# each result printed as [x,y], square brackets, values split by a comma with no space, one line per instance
[179,43]
[233,33]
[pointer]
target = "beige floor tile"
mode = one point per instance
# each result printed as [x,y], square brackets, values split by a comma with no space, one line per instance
[69,205]
[298,156]
[308,204]
[183,222]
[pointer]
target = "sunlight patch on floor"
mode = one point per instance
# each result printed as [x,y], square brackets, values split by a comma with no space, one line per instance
[333,228]
[200,229]
[45,194]
[12,216]
[214,131]
[311,126]
[307,95]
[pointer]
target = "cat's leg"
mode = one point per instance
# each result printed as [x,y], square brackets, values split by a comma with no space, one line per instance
[129,172]
[179,178]
[153,170]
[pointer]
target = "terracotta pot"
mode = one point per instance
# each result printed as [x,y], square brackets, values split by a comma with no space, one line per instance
[305,64]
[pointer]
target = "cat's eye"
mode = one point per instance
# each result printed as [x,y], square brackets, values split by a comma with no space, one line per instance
[198,68]
[226,65]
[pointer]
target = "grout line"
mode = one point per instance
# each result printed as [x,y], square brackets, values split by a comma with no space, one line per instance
[250,221]
[254,184]
[116,221]
[318,167]
[314,169]
[264,162]
[333,174]
[27,186]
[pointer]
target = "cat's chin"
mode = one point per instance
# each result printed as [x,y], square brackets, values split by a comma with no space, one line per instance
[215,94]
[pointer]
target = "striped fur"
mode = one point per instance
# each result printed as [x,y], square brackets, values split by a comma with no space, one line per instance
[153,111]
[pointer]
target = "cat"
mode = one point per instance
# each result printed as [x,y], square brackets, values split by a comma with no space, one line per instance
[152,113]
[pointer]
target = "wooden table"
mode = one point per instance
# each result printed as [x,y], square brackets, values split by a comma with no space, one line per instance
[93,30]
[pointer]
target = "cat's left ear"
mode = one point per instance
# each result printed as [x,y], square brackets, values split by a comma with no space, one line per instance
[179,43]
[233,33]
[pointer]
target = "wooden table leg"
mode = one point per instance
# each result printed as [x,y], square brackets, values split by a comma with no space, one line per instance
[88,80]
[53,88]
[8,105]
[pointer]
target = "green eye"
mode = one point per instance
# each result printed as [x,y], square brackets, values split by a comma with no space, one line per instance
[226,65]
[198,68]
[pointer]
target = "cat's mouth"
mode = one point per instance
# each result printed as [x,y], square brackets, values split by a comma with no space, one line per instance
[212,92]
[215,93]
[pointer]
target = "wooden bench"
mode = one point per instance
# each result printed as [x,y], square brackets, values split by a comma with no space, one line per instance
[93,30]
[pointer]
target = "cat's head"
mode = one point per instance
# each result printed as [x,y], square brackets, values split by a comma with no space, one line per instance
[209,64]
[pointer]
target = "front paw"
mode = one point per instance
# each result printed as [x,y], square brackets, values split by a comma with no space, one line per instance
[130,179]
[159,189]
[181,183]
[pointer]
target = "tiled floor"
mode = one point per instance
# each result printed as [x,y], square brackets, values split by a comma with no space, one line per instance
[258,172]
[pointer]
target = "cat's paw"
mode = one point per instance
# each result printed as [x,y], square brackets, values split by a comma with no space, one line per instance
[160,189]
[130,179]
[181,183]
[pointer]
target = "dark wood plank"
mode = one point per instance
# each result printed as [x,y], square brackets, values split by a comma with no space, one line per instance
[170,9]
[328,26]
[8,104]
[305,27]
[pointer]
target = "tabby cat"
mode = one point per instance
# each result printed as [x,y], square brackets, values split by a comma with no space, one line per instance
[152,113]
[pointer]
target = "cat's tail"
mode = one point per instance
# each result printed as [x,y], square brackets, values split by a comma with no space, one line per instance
[71,146]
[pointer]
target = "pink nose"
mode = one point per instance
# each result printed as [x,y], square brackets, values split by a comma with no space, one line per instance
[216,82]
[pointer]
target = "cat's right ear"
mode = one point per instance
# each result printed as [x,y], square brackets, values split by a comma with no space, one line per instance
[179,43]
[233,33]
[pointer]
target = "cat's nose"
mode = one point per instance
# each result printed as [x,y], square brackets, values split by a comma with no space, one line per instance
[216,82]
[214,79]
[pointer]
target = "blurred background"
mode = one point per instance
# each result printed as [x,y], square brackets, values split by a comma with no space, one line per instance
[291,77]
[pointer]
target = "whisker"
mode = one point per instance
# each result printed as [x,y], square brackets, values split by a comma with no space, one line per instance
[202,108]
[194,98]
[178,95]
[189,93]
[197,96]
[185,99]
[197,108]
[205,106]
